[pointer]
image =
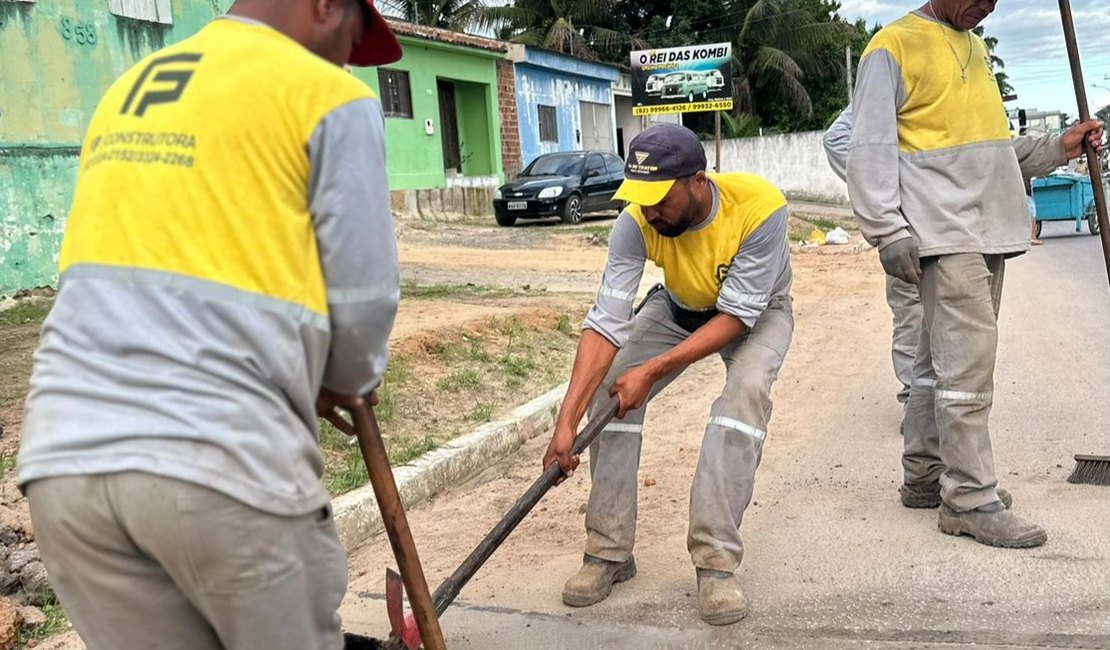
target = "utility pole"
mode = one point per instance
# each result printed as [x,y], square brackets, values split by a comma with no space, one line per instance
[848,69]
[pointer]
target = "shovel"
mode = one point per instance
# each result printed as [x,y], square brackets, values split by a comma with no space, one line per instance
[407,631]
[424,623]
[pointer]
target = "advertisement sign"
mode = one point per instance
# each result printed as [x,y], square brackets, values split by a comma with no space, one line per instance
[682,79]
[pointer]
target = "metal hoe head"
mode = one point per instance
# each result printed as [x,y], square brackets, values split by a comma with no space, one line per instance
[402,625]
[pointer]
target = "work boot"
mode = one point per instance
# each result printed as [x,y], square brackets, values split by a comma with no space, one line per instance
[992,525]
[594,581]
[720,601]
[927,495]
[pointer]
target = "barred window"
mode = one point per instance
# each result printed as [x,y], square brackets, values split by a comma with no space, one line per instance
[549,128]
[154,11]
[396,95]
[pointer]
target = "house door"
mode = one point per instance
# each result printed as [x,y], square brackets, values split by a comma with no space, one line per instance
[449,126]
[597,126]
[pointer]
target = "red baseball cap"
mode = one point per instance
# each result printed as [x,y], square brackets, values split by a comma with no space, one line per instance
[378,45]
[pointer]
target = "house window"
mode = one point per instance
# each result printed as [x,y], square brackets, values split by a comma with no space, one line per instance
[549,128]
[396,95]
[154,11]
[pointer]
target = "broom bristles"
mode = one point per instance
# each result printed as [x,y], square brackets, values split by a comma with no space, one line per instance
[1091,470]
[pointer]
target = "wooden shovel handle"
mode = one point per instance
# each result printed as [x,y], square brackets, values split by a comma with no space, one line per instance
[397,526]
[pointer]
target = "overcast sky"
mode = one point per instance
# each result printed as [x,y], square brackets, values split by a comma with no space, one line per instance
[1031,42]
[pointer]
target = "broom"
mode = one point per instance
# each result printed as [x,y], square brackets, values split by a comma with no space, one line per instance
[1092,470]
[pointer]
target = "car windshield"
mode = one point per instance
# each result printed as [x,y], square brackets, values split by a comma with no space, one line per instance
[565,165]
[678,76]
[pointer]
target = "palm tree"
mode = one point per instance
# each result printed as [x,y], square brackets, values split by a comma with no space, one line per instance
[570,26]
[455,15]
[778,44]
[997,64]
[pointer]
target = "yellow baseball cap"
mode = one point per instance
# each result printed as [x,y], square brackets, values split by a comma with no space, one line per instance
[657,157]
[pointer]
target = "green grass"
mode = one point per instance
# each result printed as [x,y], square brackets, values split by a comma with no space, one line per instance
[470,349]
[563,326]
[517,366]
[56,623]
[482,412]
[26,312]
[7,463]
[403,451]
[350,472]
[597,229]
[396,373]
[413,291]
[459,380]
[823,224]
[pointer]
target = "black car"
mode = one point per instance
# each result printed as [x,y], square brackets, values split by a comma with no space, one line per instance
[564,185]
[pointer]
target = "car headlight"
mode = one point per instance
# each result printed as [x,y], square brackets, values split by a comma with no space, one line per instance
[497,193]
[551,192]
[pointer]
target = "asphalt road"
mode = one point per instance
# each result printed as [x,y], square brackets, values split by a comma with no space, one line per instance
[833,561]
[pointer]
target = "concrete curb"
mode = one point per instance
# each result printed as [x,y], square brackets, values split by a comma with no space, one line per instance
[357,517]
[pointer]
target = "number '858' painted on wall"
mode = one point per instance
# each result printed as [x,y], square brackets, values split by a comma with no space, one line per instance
[79,32]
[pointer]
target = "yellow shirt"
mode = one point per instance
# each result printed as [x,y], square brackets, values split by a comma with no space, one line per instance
[696,263]
[142,190]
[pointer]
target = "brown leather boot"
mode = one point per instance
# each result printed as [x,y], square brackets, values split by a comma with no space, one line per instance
[994,527]
[594,581]
[720,600]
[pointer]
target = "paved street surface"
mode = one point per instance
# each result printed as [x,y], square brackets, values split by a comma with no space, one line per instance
[833,560]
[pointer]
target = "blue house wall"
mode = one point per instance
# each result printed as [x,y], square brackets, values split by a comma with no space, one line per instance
[561,81]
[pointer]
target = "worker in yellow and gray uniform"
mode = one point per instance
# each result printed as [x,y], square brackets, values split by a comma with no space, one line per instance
[721,242]
[1036,156]
[936,186]
[228,271]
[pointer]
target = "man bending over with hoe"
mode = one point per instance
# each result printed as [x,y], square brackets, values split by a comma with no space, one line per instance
[721,242]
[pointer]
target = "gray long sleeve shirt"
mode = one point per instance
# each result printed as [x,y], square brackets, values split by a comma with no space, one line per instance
[930,155]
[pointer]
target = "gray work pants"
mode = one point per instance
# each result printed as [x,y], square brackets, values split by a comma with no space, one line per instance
[946,421]
[139,561]
[731,446]
[904,300]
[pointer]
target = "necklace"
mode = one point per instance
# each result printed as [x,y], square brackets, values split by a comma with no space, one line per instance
[965,64]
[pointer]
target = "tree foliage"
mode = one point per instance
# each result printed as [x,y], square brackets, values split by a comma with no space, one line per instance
[998,66]
[455,15]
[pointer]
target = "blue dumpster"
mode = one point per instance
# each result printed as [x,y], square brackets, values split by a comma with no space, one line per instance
[1065,197]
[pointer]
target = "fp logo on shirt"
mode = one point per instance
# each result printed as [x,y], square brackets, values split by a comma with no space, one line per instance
[165,87]
[722,272]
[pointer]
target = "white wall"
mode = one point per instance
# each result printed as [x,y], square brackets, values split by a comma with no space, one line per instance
[794,162]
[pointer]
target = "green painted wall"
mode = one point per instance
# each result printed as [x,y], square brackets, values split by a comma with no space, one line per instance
[52,75]
[415,159]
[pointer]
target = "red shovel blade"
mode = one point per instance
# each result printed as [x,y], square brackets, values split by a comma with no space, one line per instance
[401,625]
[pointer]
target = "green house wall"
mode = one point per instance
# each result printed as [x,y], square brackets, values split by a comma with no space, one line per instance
[415,159]
[52,74]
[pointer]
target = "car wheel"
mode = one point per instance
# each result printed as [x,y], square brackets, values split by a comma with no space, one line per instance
[690,99]
[1092,219]
[1038,234]
[504,219]
[572,209]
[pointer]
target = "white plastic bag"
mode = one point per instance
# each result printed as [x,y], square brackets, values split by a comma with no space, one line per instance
[837,236]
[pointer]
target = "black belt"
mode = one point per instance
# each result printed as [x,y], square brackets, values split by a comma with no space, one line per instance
[687,319]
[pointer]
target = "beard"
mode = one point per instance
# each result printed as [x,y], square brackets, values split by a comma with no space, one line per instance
[691,212]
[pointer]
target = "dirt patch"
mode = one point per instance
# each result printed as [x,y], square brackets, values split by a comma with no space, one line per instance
[443,382]
[18,343]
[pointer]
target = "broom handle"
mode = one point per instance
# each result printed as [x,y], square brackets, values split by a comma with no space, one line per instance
[1084,115]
